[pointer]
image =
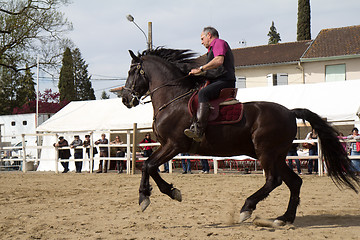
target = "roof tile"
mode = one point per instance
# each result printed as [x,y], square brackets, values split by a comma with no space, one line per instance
[335,42]
[270,54]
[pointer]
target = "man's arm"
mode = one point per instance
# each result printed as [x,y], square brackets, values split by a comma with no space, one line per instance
[214,63]
[63,144]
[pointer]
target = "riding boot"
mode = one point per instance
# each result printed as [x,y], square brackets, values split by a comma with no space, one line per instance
[100,167]
[105,166]
[197,129]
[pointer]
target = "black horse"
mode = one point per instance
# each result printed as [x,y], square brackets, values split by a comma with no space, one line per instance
[266,131]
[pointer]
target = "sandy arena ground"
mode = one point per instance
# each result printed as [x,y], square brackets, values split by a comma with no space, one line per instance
[39,205]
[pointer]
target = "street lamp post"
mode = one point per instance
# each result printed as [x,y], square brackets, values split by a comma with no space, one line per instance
[149,37]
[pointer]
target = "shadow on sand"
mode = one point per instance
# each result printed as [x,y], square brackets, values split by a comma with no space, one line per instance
[327,220]
[312,221]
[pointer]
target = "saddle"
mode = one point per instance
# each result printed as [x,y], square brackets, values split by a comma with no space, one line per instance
[226,109]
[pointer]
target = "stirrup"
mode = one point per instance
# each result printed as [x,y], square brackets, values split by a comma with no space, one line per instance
[190,133]
[194,132]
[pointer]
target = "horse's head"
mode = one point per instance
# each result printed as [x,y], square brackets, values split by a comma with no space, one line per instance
[136,84]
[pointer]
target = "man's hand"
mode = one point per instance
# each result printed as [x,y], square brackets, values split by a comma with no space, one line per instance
[195,71]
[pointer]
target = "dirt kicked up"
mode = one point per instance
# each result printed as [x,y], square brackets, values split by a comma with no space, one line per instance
[45,205]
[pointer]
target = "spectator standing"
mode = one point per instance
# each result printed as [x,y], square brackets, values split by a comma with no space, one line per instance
[78,152]
[355,149]
[186,167]
[86,145]
[147,150]
[342,137]
[293,152]
[313,151]
[104,152]
[63,153]
[119,153]
[205,166]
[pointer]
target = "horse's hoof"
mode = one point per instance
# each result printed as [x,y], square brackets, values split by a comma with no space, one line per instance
[145,203]
[245,215]
[176,194]
[279,223]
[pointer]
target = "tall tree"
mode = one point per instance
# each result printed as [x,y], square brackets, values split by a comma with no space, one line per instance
[82,83]
[26,91]
[104,95]
[66,79]
[9,86]
[303,24]
[30,28]
[274,36]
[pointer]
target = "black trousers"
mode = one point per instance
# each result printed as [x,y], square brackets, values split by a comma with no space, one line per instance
[120,164]
[65,165]
[78,164]
[147,153]
[212,91]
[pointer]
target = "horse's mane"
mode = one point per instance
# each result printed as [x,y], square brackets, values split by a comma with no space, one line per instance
[183,59]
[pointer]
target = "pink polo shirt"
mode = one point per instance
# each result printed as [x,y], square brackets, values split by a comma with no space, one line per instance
[218,46]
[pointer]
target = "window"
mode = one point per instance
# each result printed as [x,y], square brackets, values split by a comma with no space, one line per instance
[13,123]
[276,79]
[335,73]
[240,82]
[24,123]
[282,79]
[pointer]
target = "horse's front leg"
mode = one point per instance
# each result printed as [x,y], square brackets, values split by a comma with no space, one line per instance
[150,167]
[145,188]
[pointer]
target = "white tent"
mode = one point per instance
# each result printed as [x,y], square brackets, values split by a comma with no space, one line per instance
[336,101]
[97,115]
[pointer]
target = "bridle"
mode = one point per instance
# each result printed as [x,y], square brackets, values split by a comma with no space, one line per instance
[136,95]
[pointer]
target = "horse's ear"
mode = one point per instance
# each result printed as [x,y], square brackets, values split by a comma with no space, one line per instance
[134,57]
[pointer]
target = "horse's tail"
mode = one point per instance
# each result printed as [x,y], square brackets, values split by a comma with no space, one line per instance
[337,162]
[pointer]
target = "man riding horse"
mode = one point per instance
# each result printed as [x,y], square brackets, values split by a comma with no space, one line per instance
[266,131]
[220,72]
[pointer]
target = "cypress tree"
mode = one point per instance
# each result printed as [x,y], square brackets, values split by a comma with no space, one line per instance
[66,79]
[303,24]
[82,83]
[104,95]
[274,36]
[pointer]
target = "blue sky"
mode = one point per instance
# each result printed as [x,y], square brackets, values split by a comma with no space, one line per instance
[104,35]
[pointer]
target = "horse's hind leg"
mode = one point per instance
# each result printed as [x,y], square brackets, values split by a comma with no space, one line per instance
[294,182]
[272,181]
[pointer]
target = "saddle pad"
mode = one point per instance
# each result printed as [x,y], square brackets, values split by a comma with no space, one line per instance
[228,114]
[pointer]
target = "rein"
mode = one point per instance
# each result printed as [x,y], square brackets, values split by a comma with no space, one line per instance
[165,85]
[136,94]
[175,99]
